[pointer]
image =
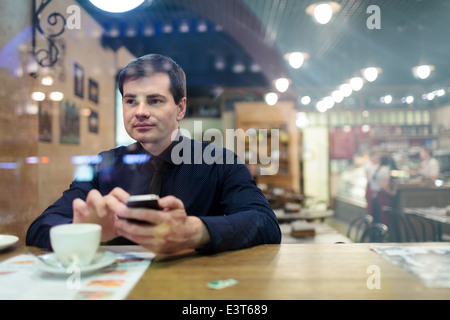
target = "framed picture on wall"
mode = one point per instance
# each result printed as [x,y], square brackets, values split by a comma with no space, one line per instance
[78,75]
[93,90]
[69,122]
[93,121]
[45,121]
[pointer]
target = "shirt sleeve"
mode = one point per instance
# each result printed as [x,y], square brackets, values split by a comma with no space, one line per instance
[58,213]
[248,219]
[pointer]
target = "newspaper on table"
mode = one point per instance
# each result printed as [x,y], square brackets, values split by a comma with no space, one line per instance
[431,264]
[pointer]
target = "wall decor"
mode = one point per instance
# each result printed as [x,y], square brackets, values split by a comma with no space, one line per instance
[78,75]
[69,122]
[93,90]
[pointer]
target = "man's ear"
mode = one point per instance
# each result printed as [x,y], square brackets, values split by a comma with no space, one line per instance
[181,109]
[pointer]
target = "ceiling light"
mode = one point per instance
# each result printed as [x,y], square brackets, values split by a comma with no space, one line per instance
[329,102]
[271,98]
[423,71]
[117,6]
[337,96]
[56,96]
[282,84]
[356,83]
[323,11]
[371,73]
[321,106]
[296,59]
[47,81]
[346,89]
[305,100]
[408,99]
[38,96]
[386,99]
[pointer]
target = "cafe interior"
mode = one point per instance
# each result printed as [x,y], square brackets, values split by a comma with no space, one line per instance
[317,86]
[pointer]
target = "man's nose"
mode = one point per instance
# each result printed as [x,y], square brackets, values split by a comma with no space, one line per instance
[142,110]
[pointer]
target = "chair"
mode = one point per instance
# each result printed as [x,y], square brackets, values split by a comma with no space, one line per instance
[418,222]
[398,226]
[358,226]
[376,232]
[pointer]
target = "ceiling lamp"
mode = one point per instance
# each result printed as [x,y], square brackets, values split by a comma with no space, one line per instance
[271,98]
[423,71]
[38,96]
[371,73]
[282,84]
[356,83]
[117,6]
[323,11]
[296,59]
[305,100]
[346,89]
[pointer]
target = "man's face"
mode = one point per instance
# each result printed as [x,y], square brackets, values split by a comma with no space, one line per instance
[149,111]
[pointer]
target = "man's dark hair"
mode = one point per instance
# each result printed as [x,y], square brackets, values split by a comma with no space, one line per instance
[155,63]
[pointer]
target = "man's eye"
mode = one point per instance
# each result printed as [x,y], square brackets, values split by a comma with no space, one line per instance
[154,101]
[130,101]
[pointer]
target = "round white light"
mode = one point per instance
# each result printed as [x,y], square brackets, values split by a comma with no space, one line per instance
[337,96]
[116,6]
[302,120]
[47,81]
[388,99]
[271,98]
[356,83]
[323,13]
[56,96]
[38,96]
[423,71]
[346,89]
[371,74]
[409,99]
[321,106]
[296,59]
[305,100]
[282,84]
[329,102]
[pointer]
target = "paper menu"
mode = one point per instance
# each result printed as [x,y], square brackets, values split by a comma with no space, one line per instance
[20,279]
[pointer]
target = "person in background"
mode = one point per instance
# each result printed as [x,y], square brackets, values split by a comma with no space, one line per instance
[369,169]
[429,167]
[382,188]
[209,206]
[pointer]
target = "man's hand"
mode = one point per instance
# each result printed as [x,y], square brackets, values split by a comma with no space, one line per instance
[101,210]
[169,230]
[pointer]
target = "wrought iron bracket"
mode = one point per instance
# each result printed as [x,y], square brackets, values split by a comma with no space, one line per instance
[49,54]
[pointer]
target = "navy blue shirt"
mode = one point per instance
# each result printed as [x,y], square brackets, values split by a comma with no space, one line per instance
[212,183]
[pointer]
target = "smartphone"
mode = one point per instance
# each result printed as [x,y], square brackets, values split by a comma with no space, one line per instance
[147,201]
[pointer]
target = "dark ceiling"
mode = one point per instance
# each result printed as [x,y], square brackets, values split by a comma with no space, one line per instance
[258,33]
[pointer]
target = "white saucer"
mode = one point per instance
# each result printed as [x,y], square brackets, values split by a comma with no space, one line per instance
[101,260]
[7,240]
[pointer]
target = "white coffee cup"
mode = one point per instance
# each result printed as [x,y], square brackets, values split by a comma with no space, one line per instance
[75,243]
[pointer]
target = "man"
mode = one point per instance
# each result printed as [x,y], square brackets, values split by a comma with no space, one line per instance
[429,167]
[210,207]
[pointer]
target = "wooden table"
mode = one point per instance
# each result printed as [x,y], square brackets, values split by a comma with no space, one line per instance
[272,272]
[304,214]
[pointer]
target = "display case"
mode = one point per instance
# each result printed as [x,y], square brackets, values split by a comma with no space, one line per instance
[270,140]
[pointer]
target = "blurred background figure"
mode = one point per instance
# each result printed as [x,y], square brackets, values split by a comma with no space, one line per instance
[369,169]
[429,167]
[382,189]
